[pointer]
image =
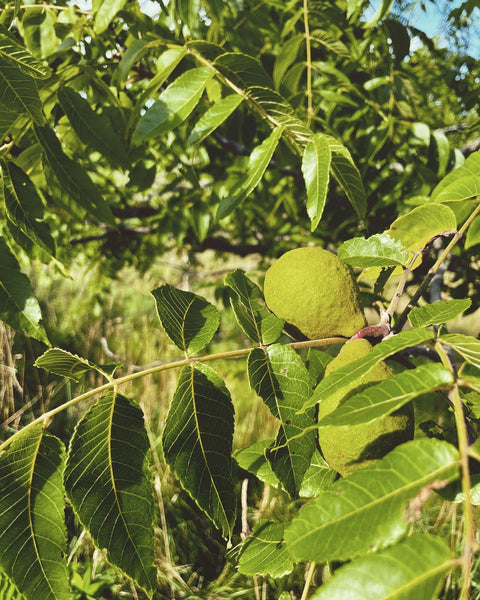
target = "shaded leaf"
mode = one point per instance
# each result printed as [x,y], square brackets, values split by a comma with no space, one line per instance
[279,110]
[379,250]
[412,570]
[197,443]
[73,179]
[258,324]
[364,511]
[316,168]
[243,70]
[214,117]
[189,320]
[133,54]
[18,306]
[93,129]
[348,374]
[384,398]
[422,224]
[382,11]
[25,209]
[32,523]
[466,345]
[65,364]
[107,480]
[280,378]
[173,105]
[438,312]
[257,164]
[441,145]
[264,552]
[18,92]
[105,11]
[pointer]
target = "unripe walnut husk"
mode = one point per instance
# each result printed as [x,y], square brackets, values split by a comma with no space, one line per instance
[315,292]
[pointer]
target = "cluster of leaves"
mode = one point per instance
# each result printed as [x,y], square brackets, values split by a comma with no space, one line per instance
[202,128]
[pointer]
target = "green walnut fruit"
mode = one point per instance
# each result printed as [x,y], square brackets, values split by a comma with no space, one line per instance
[314,291]
[347,449]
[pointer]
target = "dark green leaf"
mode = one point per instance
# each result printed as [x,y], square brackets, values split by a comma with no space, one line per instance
[93,129]
[107,480]
[346,173]
[133,54]
[350,373]
[189,320]
[264,552]
[197,443]
[379,250]
[214,117]
[18,92]
[412,570]
[437,312]
[18,306]
[364,511]
[257,164]
[32,523]
[243,70]
[316,169]
[382,399]
[25,209]
[280,378]
[73,179]
[258,324]
[173,106]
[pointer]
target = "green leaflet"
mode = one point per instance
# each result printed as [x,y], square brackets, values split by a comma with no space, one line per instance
[264,552]
[379,250]
[18,92]
[173,105]
[18,54]
[280,378]
[364,511]
[438,312]
[189,320]
[18,306]
[316,169]
[32,524]
[348,176]
[105,11]
[93,129]
[257,165]
[107,480]
[65,364]
[419,226]
[214,117]
[384,398]
[411,570]
[258,324]
[197,443]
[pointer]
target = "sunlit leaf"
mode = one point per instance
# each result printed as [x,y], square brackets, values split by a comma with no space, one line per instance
[257,165]
[189,320]
[438,312]
[258,324]
[264,552]
[173,105]
[254,460]
[65,364]
[350,373]
[18,306]
[460,184]
[104,12]
[107,480]
[133,54]
[243,70]
[422,224]
[18,54]
[32,524]
[412,570]
[280,378]
[382,399]
[197,443]
[93,129]
[214,117]
[379,250]
[364,511]
[466,345]
[318,476]
[316,168]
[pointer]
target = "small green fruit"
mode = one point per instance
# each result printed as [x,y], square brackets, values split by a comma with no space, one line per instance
[315,291]
[347,449]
